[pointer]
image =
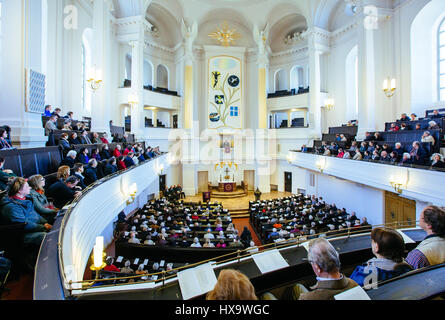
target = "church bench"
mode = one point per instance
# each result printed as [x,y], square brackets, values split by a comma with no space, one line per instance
[27,162]
[412,124]
[178,255]
[430,112]
[351,131]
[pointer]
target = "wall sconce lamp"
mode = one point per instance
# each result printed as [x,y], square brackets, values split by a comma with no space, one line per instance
[397,187]
[329,104]
[321,165]
[133,100]
[397,183]
[95,81]
[132,198]
[389,87]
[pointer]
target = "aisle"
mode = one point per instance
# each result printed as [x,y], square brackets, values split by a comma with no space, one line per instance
[240,223]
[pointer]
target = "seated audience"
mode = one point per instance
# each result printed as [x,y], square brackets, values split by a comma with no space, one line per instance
[378,137]
[325,262]
[195,243]
[394,127]
[126,269]
[39,200]
[111,167]
[394,157]
[208,244]
[70,159]
[56,113]
[74,139]
[50,125]
[388,248]
[368,137]
[406,159]
[15,209]
[64,144]
[91,172]
[6,175]
[404,117]
[418,126]
[105,153]
[133,238]
[78,170]
[430,251]
[341,153]
[69,116]
[104,139]
[417,154]
[129,160]
[63,173]
[347,155]
[47,112]
[357,156]
[375,156]
[67,126]
[95,155]
[384,157]
[63,192]
[96,139]
[427,137]
[437,161]
[117,151]
[84,139]
[232,285]
[82,157]
[120,163]
[432,125]
[414,117]
[4,143]
[367,156]
[399,149]
[404,127]
[110,265]
[435,115]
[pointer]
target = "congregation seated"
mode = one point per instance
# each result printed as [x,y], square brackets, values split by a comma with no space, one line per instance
[105,153]
[435,115]
[78,170]
[128,160]
[120,163]
[6,175]
[111,166]
[5,144]
[325,262]
[64,144]
[437,161]
[70,159]
[50,125]
[431,251]
[56,113]
[63,191]
[82,157]
[96,139]
[47,111]
[96,155]
[16,208]
[67,125]
[41,204]
[90,172]
[388,248]
[73,139]
[117,151]
[84,139]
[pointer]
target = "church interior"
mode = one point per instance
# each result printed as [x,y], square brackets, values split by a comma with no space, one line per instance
[153,149]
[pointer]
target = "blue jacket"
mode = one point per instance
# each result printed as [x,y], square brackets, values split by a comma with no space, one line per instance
[359,275]
[83,158]
[128,162]
[90,175]
[14,211]
[110,169]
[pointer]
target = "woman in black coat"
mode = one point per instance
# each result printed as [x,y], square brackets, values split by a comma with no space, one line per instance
[246,237]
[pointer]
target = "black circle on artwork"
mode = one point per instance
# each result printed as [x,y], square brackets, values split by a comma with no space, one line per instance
[233,81]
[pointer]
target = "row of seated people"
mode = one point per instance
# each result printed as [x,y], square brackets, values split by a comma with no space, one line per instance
[36,201]
[389,261]
[61,119]
[300,216]
[414,125]
[176,225]
[417,154]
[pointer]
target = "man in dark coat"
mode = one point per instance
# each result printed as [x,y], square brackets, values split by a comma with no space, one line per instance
[63,192]
[91,172]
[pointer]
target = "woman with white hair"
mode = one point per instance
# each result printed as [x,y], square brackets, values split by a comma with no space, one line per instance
[437,161]
[208,244]
[126,268]
[406,159]
[221,235]
[427,137]
[196,243]
[433,125]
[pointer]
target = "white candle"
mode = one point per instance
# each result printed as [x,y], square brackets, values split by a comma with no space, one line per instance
[385,84]
[393,84]
[100,243]
[97,257]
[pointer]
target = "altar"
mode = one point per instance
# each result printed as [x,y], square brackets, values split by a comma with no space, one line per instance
[226,186]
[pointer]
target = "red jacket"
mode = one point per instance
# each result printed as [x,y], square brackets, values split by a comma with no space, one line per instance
[121,165]
[104,140]
[116,153]
[112,268]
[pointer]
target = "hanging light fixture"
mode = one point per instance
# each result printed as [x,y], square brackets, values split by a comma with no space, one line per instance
[389,87]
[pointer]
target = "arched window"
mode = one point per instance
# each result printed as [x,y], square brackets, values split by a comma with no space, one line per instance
[87,68]
[441,60]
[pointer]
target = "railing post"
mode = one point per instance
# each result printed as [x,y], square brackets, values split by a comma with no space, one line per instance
[163,278]
[238,256]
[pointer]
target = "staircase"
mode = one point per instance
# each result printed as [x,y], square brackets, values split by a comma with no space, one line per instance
[239,213]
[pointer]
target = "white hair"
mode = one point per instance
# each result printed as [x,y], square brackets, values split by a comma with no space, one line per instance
[324,255]
[71,153]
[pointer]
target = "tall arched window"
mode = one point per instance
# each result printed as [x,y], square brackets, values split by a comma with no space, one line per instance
[441,60]
[83,76]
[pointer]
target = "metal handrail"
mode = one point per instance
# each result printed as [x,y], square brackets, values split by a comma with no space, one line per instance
[263,248]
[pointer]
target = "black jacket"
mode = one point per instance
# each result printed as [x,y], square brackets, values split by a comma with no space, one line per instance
[90,175]
[68,161]
[60,193]
[110,169]
[105,154]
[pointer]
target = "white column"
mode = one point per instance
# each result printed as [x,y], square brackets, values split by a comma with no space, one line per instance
[314,87]
[101,46]
[137,86]
[27,128]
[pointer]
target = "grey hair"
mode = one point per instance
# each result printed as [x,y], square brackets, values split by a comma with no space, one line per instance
[407,155]
[324,255]
[71,153]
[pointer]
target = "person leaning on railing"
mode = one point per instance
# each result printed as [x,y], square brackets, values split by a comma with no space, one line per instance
[63,191]
[388,248]
[431,251]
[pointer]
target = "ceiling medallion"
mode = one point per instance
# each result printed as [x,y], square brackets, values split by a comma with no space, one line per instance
[225,35]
